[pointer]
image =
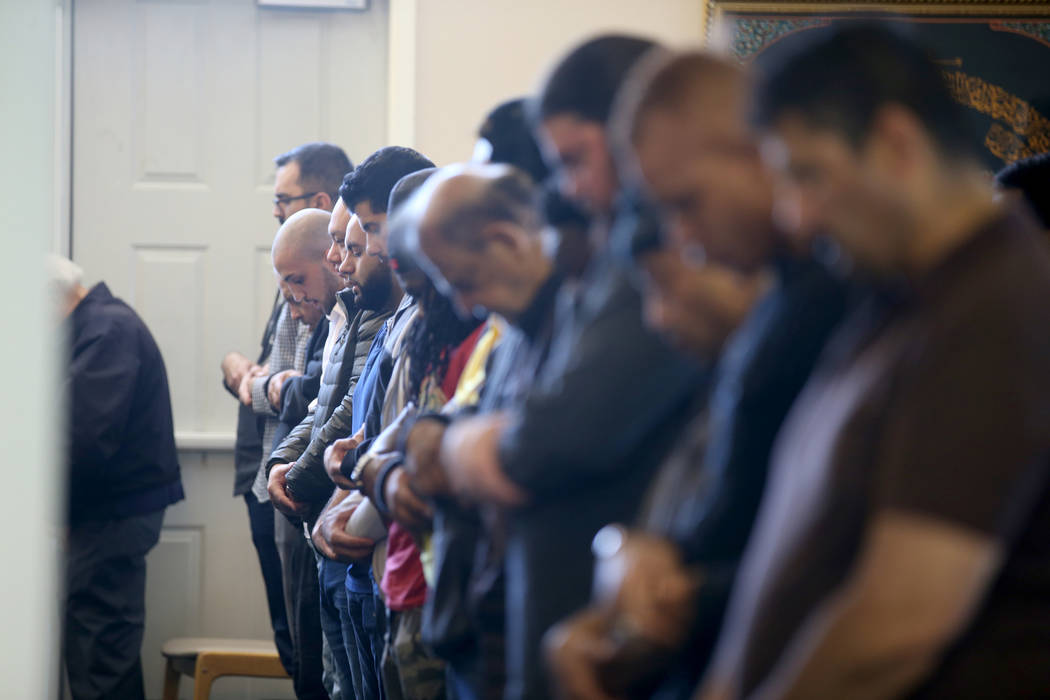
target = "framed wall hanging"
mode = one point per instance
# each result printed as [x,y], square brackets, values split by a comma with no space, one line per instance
[995,55]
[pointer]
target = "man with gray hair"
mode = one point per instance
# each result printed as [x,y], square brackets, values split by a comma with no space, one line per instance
[123,472]
[475,230]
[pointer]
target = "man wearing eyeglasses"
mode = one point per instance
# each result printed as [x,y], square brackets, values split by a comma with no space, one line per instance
[307,176]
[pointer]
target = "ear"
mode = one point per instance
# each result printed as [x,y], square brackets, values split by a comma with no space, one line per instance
[900,138]
[500,233]
[321,200]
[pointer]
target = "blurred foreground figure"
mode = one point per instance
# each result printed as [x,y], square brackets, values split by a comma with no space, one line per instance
[123,473]
[900,549]
[1031,178]
[723,283]
[573,458]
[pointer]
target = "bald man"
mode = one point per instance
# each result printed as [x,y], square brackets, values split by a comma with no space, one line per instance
[480,231]
[475,230]
[277,396]
[297,484]
[298,254]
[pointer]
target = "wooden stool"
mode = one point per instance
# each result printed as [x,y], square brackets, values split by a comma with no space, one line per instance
[208,659]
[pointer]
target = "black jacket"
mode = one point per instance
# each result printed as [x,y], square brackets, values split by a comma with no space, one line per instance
[299,391]
[585,443]
[122,458]
[247,450]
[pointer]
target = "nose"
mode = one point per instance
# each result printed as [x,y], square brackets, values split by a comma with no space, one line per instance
[332,255]
[278,213]
[347,265]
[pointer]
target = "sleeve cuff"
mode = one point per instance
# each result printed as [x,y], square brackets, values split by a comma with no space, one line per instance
[348,463]
[380,494]
[506,451]
[226,386]
[260,402]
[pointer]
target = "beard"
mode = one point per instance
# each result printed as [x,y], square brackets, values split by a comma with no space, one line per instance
[373,293]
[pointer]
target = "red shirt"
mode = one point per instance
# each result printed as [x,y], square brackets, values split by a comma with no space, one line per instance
[403,584]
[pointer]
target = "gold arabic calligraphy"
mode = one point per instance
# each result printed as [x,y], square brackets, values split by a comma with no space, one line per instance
[1028,132]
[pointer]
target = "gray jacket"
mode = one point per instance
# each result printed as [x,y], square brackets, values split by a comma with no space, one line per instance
[330,417]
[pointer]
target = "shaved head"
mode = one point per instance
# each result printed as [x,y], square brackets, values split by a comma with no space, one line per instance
[299,258]
[304,235]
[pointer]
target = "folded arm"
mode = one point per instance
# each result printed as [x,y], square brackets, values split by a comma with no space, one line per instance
[917,583]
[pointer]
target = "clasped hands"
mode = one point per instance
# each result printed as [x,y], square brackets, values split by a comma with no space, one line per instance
[644,604]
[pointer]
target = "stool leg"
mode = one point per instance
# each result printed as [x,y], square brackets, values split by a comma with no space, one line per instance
[207,670]
[202,684]
[171,681]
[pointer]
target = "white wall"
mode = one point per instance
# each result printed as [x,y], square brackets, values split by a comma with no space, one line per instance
[471,54]
[30,407]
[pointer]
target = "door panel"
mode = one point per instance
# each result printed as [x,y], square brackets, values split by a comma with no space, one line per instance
[179,107]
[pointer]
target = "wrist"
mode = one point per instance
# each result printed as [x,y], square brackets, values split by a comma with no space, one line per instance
[382,477]
[364,474]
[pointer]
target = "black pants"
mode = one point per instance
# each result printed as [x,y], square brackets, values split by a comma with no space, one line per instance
[302,597]
[106,606]
[261,520]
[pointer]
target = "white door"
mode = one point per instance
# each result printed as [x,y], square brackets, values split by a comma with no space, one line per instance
[178,109]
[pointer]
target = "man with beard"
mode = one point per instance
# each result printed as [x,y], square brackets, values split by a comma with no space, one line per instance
[307,176]
[306,485]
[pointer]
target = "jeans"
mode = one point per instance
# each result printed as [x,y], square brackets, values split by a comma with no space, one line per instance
[332,578]
[363,624]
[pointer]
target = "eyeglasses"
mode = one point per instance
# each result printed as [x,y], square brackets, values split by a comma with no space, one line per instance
[285,199]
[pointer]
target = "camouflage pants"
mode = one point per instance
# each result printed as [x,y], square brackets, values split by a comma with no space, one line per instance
[410,670]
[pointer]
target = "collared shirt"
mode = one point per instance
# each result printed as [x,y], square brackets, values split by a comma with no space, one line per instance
[336,319]
[289,352]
